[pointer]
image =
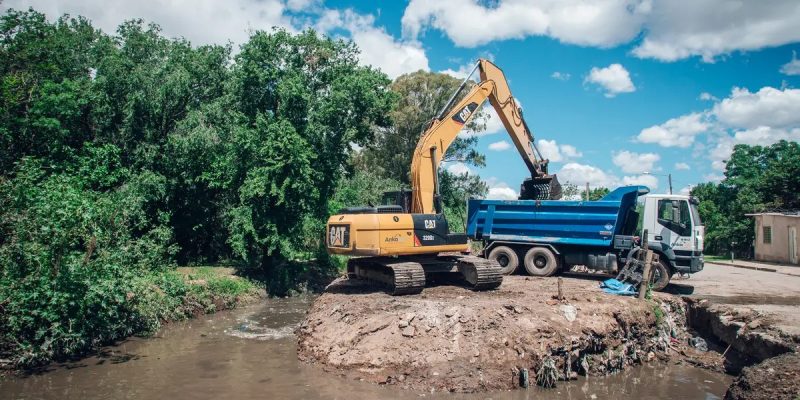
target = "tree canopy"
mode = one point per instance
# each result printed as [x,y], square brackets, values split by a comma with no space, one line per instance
[757,179]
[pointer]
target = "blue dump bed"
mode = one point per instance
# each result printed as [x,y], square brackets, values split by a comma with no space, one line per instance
[581,223]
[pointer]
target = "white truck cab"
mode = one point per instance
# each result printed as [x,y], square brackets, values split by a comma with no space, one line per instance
[675,230]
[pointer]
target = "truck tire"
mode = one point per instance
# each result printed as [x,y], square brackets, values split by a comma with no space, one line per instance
[540,261]
[506,257]
[660,276]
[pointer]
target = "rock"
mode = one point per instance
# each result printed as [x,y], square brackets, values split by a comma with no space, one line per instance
[518,309]
[551,302]
[569,312]
[450,312]
[409,331]
[403,323]
[754,324]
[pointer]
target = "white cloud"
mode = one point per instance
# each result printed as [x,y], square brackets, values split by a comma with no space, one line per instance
[220,22]
[493,124]
[561,76]
[767,107]
[713,177]
[378,48]
[761,118]
[300,5]
[570,151]
[459,168]
[635,163]
[499,190]
[678,29]
[669,29]
[554,152]
[615,79]
[470,23]
[686,190]
[682,166]
[200,21]
[461,72]
[705,96]
[677,132]
[502,193]
[500,146]
[792,67]
[762,136]
[579,174]
[644,180]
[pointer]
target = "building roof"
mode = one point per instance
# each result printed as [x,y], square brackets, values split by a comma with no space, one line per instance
[794,214]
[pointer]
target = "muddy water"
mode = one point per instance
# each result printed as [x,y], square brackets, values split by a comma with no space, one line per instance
[250,354]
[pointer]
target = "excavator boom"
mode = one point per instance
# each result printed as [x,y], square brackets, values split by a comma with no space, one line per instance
[444,128]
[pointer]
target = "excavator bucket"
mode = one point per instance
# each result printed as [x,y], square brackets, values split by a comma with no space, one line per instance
[541,188]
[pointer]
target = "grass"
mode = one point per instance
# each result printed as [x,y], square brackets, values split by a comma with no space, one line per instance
[111,308]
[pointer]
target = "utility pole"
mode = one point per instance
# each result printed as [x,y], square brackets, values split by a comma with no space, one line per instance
[670,183]
[587,191]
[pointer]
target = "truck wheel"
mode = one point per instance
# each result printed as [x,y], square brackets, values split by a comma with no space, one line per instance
[540,261]
[506,257]
[660,276]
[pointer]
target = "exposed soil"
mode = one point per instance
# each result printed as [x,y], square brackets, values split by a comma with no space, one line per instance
[452,339]
[777,378]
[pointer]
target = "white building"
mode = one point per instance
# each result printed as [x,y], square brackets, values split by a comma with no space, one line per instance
[776,237]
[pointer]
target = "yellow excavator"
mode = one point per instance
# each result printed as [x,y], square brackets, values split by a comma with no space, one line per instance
[397,245]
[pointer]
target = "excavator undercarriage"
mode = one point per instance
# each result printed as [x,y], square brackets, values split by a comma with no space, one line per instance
[408,275]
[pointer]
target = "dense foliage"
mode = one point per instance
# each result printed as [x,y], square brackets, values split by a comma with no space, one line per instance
[122,155]
[757,179]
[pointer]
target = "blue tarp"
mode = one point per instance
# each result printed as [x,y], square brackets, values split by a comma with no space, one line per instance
[613,286]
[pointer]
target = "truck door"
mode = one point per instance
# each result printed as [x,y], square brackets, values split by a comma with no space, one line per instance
[674,224]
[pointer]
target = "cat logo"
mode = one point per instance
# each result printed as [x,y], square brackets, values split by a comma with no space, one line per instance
[339,236]
[462,116]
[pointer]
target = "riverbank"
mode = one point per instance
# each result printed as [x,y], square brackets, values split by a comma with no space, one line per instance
[114,309]
[250,353]
[452,339]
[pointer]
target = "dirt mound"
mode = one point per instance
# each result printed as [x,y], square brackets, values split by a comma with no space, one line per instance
[777,378]
[452,339]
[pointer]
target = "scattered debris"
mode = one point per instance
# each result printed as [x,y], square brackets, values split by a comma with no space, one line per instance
[698,343]
[547,375]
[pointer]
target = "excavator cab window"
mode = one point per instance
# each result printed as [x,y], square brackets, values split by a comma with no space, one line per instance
[400,198]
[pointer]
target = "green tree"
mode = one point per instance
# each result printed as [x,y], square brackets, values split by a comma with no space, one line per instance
[596,193]
[757,179]
[421,96]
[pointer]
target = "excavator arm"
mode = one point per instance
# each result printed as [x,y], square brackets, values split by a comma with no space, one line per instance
[444,128]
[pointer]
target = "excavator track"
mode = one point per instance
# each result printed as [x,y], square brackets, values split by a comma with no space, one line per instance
[398,277]
[481,273]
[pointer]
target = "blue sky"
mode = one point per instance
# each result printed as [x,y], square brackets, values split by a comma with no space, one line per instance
[611,88]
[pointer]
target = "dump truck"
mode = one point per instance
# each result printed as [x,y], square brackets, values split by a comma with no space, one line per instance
[548,236]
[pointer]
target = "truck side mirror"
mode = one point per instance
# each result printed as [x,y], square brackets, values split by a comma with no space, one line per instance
[676,212]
